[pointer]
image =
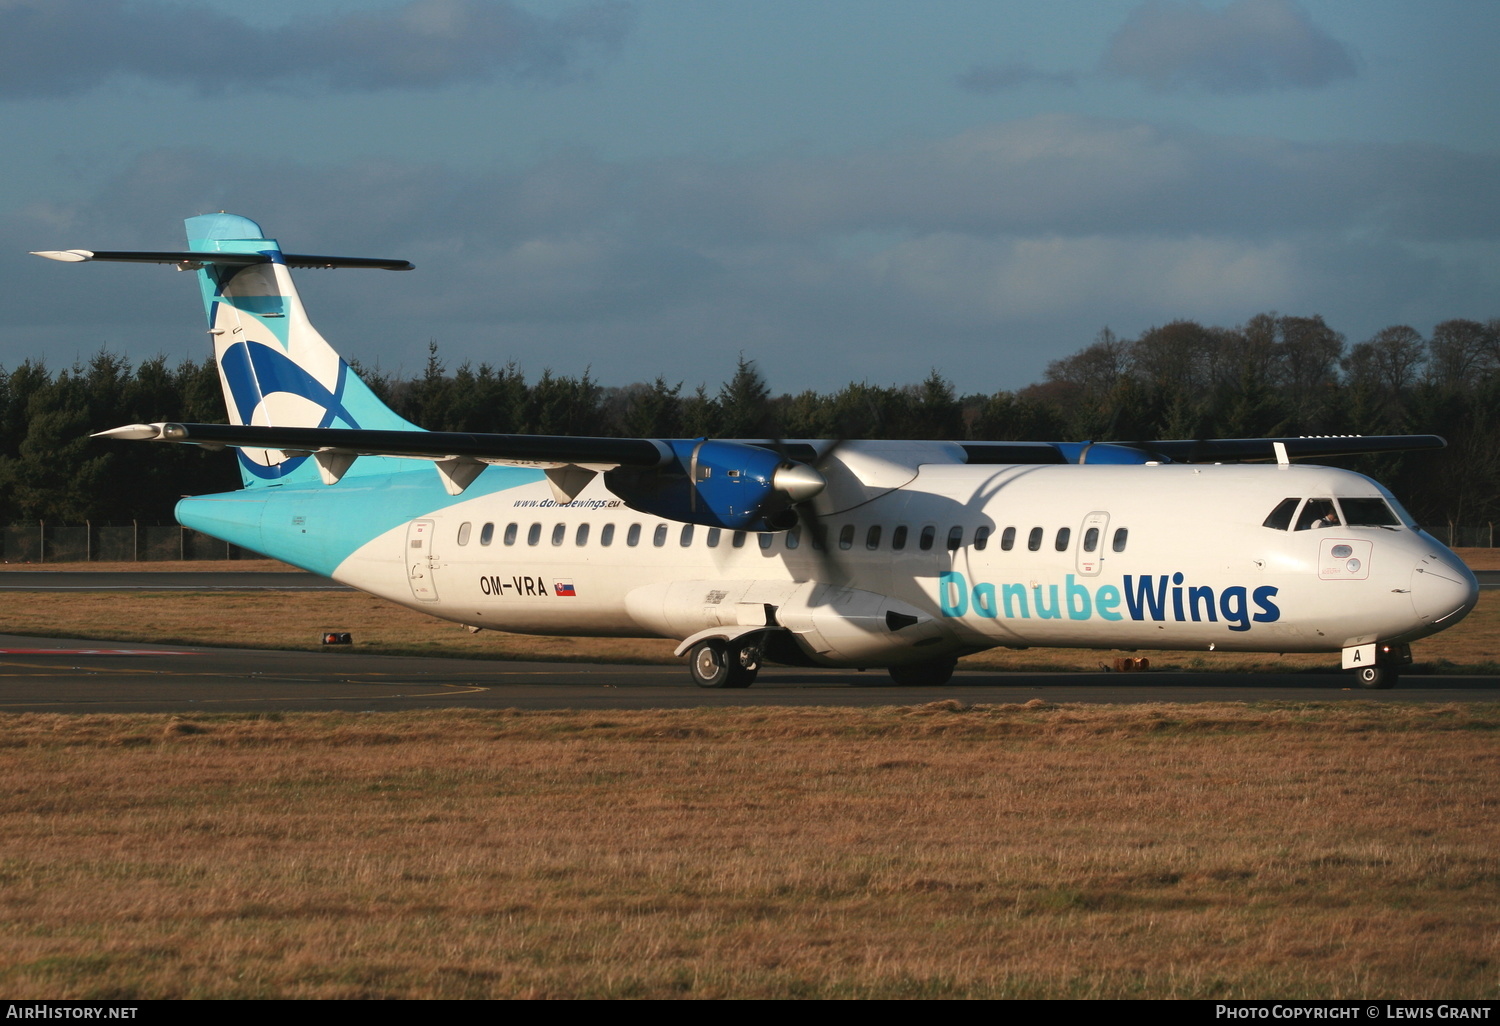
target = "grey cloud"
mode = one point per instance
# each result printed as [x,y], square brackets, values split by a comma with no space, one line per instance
[997,78]
[1073,175]
[64,47]
[992,250]
[1247,46]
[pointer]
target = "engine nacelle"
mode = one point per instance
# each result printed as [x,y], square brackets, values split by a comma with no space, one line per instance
[732,485]
[1105,452]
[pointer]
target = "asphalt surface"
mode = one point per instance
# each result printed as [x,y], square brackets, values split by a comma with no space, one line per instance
[53,675]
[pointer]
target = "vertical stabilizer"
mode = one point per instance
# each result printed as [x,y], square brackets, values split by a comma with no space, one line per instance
[273,365]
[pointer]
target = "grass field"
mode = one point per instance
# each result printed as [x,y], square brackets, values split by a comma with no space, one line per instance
[1215,851]
[1211,851]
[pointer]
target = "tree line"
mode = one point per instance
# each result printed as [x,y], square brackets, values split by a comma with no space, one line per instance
[1272,375]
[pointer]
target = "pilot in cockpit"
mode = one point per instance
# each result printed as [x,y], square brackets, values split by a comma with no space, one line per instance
[1318,513]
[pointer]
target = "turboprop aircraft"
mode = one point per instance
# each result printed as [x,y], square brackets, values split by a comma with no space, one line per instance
[896,554]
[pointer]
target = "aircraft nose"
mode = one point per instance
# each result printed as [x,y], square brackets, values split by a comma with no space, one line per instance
[1442,588]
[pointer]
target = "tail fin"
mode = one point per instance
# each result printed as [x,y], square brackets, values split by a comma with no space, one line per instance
[273,365]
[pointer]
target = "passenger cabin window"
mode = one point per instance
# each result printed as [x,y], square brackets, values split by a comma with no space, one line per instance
[659,538]
[819,537]
[511,530]
[607,535]
[1122,535]
[738,540]
[582,537]
[633,536]
[686,538]
[794,538]
[1008,539]
[765,542]
[534,535]
[898,537]
[1064,535]
[559,534]
[463,532]
[872,538]
[981,538]
[1034,539]
[955,538]
[1368,513]
[1091,539]
[846,536]
[486,534]
[1317,514]
[713,537]
[928,536]
[1281,517]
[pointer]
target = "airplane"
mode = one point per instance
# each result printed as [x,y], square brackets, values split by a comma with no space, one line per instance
[903,555]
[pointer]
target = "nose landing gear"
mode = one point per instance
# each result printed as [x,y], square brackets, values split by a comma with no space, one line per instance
[1377,667]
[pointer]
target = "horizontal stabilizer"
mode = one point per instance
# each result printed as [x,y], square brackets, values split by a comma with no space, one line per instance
[192,259]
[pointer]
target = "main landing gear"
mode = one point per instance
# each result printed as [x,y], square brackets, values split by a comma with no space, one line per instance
[716,663]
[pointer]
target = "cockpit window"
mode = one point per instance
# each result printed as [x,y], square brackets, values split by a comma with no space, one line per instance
[1281,517]
[1368,513]
[1406,518]
[1317,513]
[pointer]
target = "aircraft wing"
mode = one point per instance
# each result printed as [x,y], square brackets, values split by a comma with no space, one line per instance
[739,484]
[1229,450]
[545,450]
[510,450]
[1197,450]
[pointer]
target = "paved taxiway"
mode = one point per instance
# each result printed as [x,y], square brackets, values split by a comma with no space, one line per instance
[53,675]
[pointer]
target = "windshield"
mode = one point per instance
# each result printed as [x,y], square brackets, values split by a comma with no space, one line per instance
[1368,513]
[1406,518]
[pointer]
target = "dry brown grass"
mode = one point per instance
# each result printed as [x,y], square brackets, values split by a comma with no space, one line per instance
[205,566]
[1031,851]
[291,620]
[1480,559]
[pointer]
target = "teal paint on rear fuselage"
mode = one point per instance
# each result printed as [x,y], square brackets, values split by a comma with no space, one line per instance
[317,527]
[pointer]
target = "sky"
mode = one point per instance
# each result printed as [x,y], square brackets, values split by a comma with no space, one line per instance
[841,190]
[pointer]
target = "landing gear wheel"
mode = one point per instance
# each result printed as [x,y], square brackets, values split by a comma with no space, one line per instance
[1377,676]
[714,664]
[745,662]
[922,675]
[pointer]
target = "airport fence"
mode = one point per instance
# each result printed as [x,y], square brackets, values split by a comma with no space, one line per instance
[42,541]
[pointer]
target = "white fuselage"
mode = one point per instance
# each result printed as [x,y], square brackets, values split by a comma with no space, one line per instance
[956,559]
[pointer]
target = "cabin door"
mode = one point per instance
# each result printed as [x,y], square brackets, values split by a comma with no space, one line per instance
[420,536]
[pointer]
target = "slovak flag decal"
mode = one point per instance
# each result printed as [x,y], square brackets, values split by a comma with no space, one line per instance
[564,589]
